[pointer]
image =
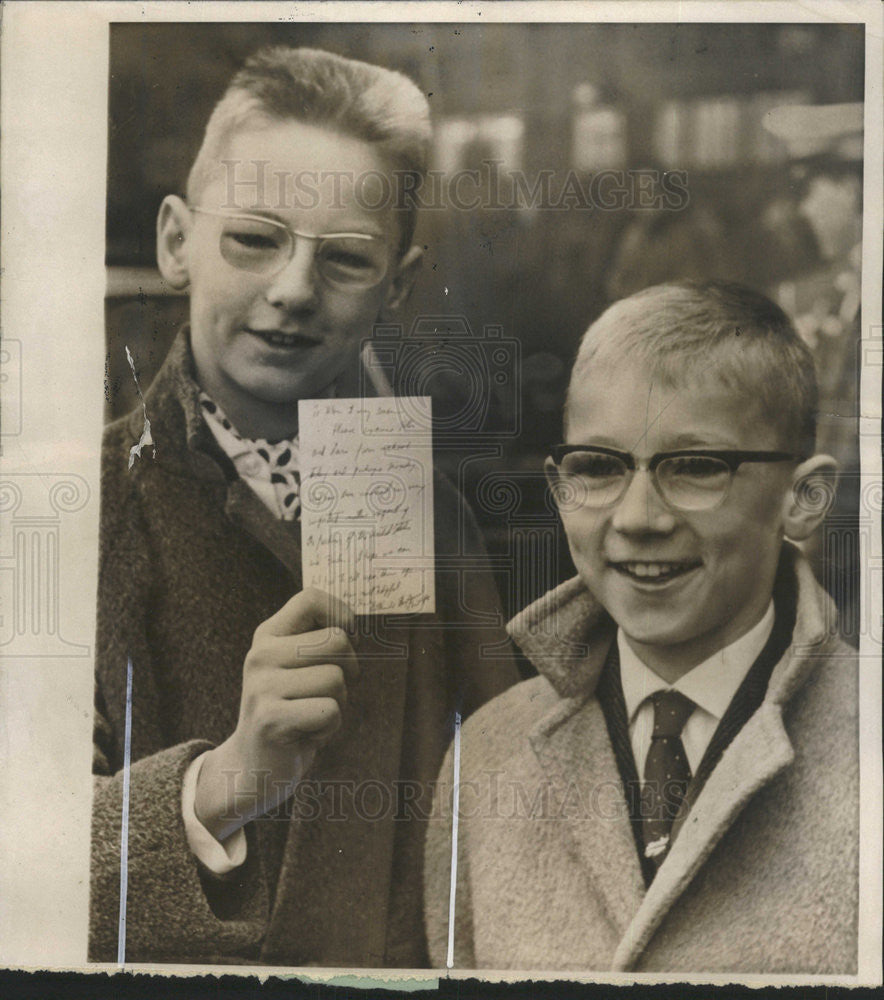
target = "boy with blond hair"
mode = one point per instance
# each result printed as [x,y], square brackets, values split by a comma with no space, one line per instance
[678,790]
[262,765]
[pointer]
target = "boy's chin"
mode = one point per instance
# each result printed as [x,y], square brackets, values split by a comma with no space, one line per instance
[658,640]
[660,636]
[657,628]
[285,391]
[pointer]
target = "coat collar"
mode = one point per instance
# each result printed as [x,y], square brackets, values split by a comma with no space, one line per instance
[186,447]
[566,634]
[184,444]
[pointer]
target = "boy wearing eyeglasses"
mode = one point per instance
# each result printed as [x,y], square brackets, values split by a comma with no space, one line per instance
[678,789]
[263,767]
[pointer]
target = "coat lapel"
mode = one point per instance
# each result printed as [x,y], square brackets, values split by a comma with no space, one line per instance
[759,752]
[567,635]
[573,748]
[280,538]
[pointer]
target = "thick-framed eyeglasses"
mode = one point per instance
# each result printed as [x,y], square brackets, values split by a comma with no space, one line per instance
[261,245]
[688,480]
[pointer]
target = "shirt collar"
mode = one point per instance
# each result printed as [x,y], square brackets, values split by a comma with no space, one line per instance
[711,685]
[225,434]
[271,454]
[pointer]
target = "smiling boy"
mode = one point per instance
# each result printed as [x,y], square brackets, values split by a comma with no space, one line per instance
[678,789]
[269,762]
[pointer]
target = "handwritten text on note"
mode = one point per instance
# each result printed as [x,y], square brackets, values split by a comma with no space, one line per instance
[367,501]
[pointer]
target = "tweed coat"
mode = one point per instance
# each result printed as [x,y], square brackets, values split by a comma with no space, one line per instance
[762,875]
[190,563]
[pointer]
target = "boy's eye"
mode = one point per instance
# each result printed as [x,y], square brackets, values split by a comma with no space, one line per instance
[593,465]
[253,236]
[252,246]
[695,467]
[347,256]
[343,259]
[254,241]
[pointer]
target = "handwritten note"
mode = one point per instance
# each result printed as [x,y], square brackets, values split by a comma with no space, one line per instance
[367,501]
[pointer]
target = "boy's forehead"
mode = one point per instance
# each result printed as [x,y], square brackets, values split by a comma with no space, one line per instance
[263,155]
[303,173]
[629,399]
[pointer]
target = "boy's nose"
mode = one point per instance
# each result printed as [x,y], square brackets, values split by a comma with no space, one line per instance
[295,286]
[641,508]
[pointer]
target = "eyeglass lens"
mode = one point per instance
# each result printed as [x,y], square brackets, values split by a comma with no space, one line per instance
[262,247]
[687,482]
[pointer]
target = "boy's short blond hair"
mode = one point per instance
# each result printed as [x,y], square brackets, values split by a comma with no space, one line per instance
[682,331]
[376,105]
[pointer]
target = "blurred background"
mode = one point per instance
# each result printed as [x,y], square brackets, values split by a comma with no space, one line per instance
[508,288]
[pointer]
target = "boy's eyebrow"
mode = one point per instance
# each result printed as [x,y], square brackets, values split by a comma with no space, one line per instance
[687,440]
[600,440]
[265,213]
[692,440]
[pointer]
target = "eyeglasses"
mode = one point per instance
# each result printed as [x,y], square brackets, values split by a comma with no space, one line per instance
[686,480]
[264,246]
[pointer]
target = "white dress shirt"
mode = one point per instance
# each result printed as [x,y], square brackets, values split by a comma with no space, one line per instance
[220,857]
[711,685]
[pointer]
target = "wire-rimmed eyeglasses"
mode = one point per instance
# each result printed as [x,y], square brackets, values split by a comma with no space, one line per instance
[262,245]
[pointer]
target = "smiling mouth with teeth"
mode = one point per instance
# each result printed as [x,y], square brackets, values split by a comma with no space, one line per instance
[277,339]
[654,572]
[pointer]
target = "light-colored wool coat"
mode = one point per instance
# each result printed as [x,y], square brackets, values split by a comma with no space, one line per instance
[762,875]
[191,563]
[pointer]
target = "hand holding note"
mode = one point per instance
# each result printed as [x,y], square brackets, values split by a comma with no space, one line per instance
[367,501]
[294,690]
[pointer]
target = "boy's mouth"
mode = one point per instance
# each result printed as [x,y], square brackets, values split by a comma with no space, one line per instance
[279,338]
[654,572]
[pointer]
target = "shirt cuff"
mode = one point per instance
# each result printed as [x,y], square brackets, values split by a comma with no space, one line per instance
[220,858]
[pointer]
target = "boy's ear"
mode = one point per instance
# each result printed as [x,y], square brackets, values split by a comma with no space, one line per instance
[553,481]
[567,495]
[403,281]
[811,494]
[173,226]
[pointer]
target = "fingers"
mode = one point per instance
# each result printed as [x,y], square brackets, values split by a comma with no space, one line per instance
[323,681]
[308,611]
[292,722]
[324,646]
[295,680]
[291,705]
